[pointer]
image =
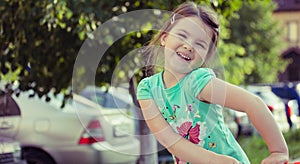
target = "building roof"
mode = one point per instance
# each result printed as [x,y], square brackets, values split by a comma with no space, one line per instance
[287,5]
[290,52]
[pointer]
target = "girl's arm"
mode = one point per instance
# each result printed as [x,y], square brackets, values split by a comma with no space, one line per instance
[177,145]
[223,93]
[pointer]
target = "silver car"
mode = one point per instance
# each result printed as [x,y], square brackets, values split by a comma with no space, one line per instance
[274,103]
[294,113]
[81,132]
[230,121]
[112,98]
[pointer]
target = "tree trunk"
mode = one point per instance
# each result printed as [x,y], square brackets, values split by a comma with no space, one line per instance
[147,140]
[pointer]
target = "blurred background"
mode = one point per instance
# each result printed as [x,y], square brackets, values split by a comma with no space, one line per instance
[259,50]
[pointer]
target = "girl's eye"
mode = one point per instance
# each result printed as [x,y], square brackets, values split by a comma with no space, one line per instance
[200,45]
[182,35]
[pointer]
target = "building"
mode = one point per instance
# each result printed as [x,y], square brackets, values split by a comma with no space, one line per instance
[288,14]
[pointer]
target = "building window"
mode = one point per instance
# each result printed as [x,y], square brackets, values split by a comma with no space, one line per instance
[293,31]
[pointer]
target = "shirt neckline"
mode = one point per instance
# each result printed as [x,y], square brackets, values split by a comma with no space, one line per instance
[174,88]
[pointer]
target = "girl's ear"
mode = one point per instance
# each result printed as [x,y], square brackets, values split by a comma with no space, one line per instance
[162,39]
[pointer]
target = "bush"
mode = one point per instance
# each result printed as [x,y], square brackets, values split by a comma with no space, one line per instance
[293,139]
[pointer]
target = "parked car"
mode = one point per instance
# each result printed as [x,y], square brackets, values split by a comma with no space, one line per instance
[293,113]
[289,92]
[273,102]
[10,150]
[114,98]
[230,121]
[119,98]
[81,132]
[245,127]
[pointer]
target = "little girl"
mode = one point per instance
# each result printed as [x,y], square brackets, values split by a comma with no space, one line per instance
[182,104]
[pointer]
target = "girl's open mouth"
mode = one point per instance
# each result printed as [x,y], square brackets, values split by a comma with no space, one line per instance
[183,56]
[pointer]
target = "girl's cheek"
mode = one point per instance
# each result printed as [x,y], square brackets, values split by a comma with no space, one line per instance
[201,55]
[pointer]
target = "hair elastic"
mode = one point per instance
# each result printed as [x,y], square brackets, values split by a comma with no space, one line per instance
[218,29]
[173,19]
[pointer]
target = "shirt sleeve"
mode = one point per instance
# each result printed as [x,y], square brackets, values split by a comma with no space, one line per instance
[143,90]
[199,79]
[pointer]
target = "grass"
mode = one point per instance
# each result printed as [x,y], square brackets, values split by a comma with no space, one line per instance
[257,150]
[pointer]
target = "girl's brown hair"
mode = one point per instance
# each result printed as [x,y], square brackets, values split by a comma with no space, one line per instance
[186,9]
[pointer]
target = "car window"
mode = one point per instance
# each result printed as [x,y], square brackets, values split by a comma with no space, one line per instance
[268,97]
[8,106]
[109,101]
[77,104]
[105,99]
[70,104]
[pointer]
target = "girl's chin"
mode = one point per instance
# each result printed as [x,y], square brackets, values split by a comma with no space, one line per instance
[179,66]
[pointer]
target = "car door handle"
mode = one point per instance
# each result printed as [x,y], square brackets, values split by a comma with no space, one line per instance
[6,125]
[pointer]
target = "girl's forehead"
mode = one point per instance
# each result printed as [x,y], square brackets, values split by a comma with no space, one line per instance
[193,25]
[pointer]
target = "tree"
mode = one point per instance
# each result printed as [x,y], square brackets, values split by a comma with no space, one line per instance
[258,33]
[40,39]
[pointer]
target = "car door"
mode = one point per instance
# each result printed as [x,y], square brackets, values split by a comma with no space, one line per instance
[10,115]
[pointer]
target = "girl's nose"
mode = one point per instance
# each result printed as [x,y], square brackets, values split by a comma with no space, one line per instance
[188,47]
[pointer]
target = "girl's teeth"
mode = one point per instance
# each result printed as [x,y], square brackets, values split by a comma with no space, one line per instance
[183,56]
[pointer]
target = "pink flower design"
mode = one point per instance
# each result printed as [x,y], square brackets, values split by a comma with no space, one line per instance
[184,128]
[178,161]
[194,134]
[187,131]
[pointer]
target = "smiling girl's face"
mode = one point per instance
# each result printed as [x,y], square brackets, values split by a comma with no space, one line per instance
[186,45]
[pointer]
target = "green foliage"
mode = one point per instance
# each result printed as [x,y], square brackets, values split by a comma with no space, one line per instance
[258,33]
[292,139]
[251,145]
[33,37]
[40,40]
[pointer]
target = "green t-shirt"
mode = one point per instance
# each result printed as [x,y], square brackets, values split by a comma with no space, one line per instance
[199,122]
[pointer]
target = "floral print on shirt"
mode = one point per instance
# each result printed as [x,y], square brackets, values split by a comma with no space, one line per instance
[191,133]
[186,125]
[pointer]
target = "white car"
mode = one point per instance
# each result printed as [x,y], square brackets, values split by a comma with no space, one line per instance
[81,132]
[294,113]
[114,99]
[274,103]
[230,121]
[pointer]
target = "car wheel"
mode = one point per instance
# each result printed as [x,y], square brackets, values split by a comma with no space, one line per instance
[35,156]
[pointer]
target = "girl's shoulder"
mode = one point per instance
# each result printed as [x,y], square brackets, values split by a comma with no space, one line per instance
[155,76]
[152,79]
[201,72]
[146,85]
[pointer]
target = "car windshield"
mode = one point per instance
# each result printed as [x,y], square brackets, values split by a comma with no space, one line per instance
[268,97]
[105,99]
[77,104]
[70,103]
